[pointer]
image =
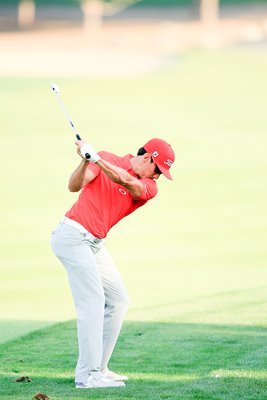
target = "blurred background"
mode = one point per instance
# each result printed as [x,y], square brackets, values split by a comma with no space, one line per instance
[192,72]
[119,37]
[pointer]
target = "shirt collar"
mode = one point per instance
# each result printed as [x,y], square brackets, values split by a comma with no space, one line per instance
[128,165]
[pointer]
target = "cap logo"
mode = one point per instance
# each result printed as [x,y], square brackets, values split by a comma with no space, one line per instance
[155,154]
[168,162]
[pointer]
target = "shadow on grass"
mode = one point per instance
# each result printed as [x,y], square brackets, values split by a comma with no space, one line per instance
[163,361]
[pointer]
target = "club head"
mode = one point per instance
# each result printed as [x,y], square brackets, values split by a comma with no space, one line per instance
[55,88]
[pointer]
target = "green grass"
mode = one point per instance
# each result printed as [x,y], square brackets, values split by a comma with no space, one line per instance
[163,361]
[11,329]
[194,260]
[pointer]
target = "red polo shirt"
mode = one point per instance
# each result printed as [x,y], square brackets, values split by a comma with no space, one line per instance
[102,203]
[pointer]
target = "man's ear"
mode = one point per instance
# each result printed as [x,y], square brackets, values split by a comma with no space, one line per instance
[146,156]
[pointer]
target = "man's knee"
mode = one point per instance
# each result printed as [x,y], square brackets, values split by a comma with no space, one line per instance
[119,302]
[124,301]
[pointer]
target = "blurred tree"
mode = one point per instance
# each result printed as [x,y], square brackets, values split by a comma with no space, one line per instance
[26,13]
[206,10]
[209,11]
[93,15]
[95,10]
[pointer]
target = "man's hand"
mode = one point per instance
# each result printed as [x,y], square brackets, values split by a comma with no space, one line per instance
[88,149]
[84,149]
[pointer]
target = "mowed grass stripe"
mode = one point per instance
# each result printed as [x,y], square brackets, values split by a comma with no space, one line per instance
[11,329]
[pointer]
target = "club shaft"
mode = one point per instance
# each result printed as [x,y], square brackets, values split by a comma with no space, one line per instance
[65,111]
[68,116]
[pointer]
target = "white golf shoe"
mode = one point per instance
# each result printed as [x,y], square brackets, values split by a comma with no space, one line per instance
[112,375]
[83,385]
[98,380]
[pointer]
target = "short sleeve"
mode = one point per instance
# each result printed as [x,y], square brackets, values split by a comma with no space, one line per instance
[149,190]
[94,168]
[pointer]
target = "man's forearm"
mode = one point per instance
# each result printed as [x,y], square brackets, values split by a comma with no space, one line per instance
[122,177]
[76,180]
[116,174]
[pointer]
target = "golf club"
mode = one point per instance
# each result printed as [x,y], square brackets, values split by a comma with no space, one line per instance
[55,89]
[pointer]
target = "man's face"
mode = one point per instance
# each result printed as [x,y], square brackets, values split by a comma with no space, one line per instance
[147,167]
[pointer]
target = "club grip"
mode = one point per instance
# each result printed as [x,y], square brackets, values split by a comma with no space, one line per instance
[87,155]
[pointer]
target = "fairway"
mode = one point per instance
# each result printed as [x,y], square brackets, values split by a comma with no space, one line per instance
[194,260]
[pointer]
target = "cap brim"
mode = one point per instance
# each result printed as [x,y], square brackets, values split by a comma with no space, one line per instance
[165,172]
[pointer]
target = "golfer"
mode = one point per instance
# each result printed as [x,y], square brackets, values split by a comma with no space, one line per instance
[111,188]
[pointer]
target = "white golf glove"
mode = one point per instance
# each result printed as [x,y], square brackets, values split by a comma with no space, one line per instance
[88,149]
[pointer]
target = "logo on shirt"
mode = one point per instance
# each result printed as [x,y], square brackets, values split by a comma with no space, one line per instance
[122,191]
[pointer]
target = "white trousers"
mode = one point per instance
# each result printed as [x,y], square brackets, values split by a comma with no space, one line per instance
[98,292]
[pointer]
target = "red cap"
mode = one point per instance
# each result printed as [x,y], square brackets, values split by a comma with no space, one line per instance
[162,155]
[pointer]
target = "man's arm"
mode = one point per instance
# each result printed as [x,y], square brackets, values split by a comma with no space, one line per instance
[114,173]
[122,177]
[80,177]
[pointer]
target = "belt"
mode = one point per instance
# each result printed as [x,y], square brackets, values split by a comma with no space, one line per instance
[80,228]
